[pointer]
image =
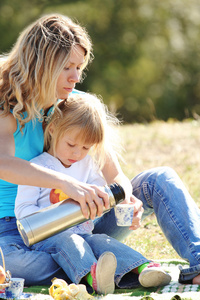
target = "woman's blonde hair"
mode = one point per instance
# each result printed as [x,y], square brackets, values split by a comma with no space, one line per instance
[90,116]
[29,73]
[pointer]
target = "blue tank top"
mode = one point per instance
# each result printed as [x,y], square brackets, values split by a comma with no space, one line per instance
[27,145]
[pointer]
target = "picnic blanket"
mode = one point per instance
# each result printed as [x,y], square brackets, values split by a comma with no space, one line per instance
[173,291]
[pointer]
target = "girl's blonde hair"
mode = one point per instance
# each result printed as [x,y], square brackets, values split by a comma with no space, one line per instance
[29,73]
[90,116]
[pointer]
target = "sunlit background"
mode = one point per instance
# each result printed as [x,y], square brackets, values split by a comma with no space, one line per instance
[146,53]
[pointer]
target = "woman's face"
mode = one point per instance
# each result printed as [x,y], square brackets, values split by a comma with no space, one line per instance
[71,73]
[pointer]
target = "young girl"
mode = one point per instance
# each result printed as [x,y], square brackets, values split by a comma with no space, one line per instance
[75,141]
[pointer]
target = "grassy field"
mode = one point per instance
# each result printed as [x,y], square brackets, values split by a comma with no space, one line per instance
[171,144]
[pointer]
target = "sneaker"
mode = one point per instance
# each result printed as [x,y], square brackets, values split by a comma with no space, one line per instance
[154,275]
[103,273]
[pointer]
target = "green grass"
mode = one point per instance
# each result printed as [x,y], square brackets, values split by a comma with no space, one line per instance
[174,144]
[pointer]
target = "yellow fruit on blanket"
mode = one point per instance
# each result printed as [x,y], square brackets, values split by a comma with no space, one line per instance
[59,282]
[2,275]
[57,195]
[60,290]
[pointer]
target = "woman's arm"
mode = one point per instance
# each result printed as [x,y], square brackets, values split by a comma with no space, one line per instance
[19,171]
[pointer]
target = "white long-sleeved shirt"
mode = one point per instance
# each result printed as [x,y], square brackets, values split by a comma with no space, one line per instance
[31,199]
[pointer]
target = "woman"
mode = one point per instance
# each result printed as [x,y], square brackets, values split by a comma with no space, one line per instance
[45,65]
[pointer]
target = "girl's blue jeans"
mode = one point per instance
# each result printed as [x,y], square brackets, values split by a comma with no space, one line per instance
[160,190]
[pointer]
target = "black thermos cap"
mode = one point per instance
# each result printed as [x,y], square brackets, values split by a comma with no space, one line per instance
[118,192]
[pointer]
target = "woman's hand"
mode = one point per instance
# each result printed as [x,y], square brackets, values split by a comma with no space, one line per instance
[88,196]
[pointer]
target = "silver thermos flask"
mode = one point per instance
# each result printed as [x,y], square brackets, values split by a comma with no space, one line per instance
[60,216]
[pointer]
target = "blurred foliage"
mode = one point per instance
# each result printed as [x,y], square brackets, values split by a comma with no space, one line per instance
[147,58]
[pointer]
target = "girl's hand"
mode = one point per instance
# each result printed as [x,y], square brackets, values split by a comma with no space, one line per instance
[88,196]
[138,211]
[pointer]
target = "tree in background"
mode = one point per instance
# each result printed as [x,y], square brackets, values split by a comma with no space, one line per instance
[147,58]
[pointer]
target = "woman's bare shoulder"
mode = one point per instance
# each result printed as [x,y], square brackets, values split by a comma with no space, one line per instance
[8,124]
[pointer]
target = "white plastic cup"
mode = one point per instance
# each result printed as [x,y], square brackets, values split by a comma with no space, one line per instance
[15,289]
[124,214]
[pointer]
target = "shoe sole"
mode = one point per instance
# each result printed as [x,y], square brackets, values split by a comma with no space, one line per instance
[153,277]
[105,273]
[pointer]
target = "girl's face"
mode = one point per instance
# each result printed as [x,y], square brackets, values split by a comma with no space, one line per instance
[70,147]
[71,73]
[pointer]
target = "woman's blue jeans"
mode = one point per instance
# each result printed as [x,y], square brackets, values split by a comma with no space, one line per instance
[160,190]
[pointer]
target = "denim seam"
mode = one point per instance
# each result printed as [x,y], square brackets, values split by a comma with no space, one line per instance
[191,270]
[144,188]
